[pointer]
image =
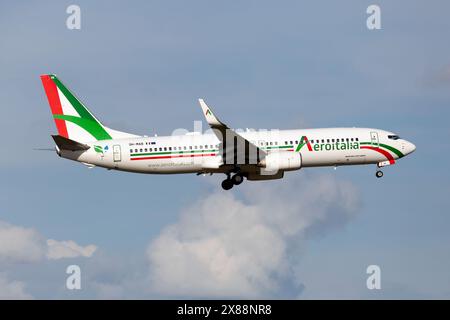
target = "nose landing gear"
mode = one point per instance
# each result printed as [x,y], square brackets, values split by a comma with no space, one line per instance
[379,174]
[236,179]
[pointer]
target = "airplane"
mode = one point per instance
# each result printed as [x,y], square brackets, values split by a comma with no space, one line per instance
[250,154]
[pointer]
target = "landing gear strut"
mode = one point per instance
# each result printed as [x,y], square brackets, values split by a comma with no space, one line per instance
[229,182]
[379,173]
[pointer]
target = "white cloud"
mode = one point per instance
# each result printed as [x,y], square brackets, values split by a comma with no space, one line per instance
[12,289]
[19,244]
[231,247]
[26,245]
[68,249]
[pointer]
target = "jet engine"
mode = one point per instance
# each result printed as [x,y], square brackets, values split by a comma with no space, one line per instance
[283,160]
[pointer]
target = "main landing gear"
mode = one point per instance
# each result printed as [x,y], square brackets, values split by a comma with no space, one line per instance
[235,180]
[379,173]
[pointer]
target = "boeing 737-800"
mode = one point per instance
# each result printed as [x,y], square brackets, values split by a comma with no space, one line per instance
[251,155]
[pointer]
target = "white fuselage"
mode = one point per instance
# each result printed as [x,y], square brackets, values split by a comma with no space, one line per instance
[194,153]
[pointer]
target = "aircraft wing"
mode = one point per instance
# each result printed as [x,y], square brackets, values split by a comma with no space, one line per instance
[236,150]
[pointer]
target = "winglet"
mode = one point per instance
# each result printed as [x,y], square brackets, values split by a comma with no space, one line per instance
[223,132]
[209,115]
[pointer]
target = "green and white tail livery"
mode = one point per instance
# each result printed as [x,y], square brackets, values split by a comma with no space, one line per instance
[73,120]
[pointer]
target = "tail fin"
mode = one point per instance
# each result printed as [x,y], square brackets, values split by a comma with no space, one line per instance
[73,120]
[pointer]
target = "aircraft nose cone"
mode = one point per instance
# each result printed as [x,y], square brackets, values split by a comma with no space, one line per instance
[410,147]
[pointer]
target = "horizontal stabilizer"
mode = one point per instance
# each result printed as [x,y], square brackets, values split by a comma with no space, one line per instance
[68,144]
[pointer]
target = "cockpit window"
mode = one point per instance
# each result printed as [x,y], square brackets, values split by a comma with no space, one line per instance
[393,137]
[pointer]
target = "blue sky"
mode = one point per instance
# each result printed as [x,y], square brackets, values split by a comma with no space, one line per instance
[141,68]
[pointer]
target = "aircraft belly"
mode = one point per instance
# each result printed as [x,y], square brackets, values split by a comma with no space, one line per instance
[331,158]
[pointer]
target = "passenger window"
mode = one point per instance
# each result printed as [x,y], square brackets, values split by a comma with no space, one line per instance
[357,139]
[131,150]
[323,141]
[292,142]
[328,140]
[285,142]
[351,139]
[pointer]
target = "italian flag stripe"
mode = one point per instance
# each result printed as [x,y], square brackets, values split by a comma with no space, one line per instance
[383,152]
[176,156]
[388,147]
[173,152]
[55,104]
[86,120]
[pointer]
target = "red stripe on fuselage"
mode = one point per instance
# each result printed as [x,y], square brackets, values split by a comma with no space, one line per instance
[176,156]
[55,104]
[383,152]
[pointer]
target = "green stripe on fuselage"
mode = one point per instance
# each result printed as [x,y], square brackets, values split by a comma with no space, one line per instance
[277,147]
[392,149]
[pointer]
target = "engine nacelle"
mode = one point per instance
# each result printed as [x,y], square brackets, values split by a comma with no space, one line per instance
[283,160]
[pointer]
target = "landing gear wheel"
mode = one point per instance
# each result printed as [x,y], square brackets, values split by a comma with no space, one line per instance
[227,184]
[237,179]
[379,173]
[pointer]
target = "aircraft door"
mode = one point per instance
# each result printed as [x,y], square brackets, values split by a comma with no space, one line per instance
[374,139]
[117,154]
